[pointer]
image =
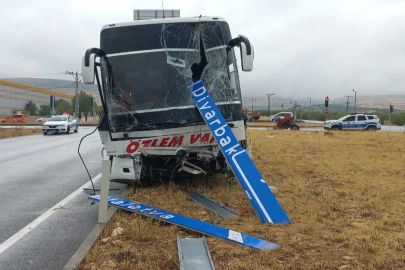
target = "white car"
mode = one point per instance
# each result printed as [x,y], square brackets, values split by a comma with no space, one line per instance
[358,121]
[279,115]
[60,123]
[44,119]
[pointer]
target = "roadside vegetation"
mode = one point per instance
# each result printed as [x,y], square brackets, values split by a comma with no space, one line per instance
[343,191]
[19,131]
[63,106]
[397,118]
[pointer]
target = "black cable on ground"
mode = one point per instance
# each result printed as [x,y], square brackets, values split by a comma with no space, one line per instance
[78,151]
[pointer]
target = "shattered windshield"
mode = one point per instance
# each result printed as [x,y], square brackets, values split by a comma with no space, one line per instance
[147,71]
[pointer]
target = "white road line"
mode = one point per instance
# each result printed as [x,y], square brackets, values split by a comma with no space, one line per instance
[20,234]
[250,186]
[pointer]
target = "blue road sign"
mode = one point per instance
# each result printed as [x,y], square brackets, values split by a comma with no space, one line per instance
[189,223]
[261,197]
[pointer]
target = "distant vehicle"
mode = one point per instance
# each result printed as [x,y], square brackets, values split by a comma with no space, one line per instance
[44,119]
[287,121]
[14,119]
[254,116]
[250,118]
[60,123]
[358,121]
[280,115]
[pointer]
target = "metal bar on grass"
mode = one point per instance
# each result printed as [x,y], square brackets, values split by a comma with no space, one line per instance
[212,205]
[189,223]
[194,254]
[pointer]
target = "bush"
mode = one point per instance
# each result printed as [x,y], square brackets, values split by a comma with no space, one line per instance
[398,119]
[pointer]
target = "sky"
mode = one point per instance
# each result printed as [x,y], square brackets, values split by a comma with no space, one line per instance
[303,49]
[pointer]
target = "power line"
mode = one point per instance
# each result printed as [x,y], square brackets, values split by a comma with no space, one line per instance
[30,67]
[90,90]
[385,94]
[56,87]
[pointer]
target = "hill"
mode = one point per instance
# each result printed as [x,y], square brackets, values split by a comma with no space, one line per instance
[62,86]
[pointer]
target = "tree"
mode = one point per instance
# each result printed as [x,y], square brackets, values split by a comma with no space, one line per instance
[31,108]
[63,106]
[98,108]
[44,110]
[84,103]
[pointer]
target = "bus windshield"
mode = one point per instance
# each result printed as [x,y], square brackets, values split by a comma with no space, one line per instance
[147,71]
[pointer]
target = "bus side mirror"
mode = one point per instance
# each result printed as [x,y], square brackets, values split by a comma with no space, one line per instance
[247,60]
[88,72]
[247,53]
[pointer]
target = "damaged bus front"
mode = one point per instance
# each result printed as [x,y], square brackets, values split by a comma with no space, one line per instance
[151,128]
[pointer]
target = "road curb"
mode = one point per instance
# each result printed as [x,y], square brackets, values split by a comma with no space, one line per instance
[78,256]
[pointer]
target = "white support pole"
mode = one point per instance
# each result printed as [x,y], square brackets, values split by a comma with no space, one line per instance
[249,148]
[104,191]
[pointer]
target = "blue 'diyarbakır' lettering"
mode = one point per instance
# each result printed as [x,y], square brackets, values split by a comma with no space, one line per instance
[261,197]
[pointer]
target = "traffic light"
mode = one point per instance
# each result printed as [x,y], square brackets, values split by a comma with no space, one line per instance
[391,108]
[91,101]
[300,111]
[326,111]
[326,102]
[51,101]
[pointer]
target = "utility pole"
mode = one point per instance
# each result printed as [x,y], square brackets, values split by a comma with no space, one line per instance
[92,105]
[347,103]
[295,111]
[268,99]
[355,99]
[94,112]
[77,77]
[52,103]
[252,103]
[389,116]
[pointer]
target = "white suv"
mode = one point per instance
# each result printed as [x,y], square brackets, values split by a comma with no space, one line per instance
[356,121]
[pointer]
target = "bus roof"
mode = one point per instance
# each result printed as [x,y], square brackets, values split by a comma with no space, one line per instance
[168,20]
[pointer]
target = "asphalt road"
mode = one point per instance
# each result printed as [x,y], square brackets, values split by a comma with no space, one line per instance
[36,173]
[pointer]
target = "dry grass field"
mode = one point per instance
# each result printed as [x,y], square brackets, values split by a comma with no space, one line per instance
[19,131]
[344,193]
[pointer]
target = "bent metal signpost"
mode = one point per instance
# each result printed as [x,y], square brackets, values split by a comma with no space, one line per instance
[260,196]
[189,223]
